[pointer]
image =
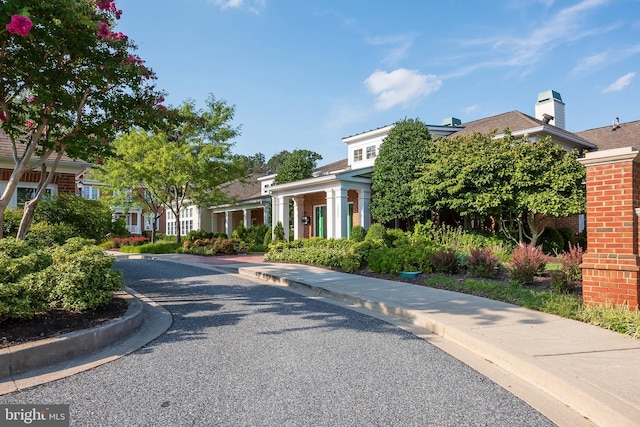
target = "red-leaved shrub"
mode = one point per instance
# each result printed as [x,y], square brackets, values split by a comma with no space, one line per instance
[527,261]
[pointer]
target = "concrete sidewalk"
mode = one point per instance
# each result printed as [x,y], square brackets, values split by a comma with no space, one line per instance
[591,370]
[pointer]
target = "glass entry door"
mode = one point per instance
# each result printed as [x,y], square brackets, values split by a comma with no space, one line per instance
[320,221]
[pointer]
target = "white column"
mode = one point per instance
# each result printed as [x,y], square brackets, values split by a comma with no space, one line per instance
[364,213]
[341,211]
[246,217]
[227,223]
[265,215]
[281,213]
[331,214]
[298,207]
[140,223]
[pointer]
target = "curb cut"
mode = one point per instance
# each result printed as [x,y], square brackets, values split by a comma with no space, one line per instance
[584,398]
[20,359]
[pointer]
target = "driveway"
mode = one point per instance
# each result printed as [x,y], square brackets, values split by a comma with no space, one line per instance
[244,353]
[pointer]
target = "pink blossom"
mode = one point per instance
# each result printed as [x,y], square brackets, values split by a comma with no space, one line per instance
[30,99]
[106,5]
[19,25]
[135,60]
[118,36]
[103,30]
[29,124]
[3,117]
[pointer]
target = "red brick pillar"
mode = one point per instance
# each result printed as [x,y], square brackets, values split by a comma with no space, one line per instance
[610,267]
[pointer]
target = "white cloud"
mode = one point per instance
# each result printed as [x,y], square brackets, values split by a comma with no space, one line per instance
[470,109]
[400,87]
[620,84]
[254,6]
[590,62]
[568,25]
[398,46]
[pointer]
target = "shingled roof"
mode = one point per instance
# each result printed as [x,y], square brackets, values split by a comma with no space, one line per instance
[608,137]
[513,120]
[243,190]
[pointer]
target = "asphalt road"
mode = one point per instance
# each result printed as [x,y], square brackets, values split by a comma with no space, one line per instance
[241,353]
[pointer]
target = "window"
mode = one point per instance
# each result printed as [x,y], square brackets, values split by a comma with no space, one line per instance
[371,152]
[24,194]
[90,193]
[357,155]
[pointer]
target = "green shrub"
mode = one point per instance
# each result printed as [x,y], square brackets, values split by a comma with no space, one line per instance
[11,222]
[267,239]
[396,237]
[358,233]
[194,235]
[377,232]
[402,258]
[240,233]
[527,261]
[43,234]
[364,249]
[445,261]
[327,256]
[551,241]
[482,262]
[256,236]
[153,248]
[278,233]
[119,228]
[83,279]
[76,276]
[90,219]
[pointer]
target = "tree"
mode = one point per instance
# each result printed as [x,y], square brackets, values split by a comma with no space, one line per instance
[297,165]
[503,178]
[68,84]
[466,174]
[405,148]
[184,164]
[276,161]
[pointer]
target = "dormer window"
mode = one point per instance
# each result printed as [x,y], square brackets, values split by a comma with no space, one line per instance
[357,155]
[371,152]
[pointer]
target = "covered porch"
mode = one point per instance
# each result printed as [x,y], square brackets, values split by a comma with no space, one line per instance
[326,206]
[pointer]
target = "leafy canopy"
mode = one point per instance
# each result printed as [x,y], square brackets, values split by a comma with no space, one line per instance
[69,84]
[504,178]
[184,164]
[405,148]
[297,165]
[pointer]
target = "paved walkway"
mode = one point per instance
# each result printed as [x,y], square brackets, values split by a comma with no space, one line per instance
[595,372]
[591,370]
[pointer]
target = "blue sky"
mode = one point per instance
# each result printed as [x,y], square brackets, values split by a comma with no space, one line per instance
[306,73]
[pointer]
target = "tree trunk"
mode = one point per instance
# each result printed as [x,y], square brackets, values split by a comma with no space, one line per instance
[30,206]
[535,232]
[18,170]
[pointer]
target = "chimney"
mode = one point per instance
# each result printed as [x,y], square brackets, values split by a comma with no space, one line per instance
[550,108]
[451,121]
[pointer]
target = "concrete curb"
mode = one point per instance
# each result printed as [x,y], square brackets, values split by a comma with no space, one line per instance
[19,359]
[593,403]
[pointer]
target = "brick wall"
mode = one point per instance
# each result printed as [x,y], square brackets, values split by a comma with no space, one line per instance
[66,181]
[610,269]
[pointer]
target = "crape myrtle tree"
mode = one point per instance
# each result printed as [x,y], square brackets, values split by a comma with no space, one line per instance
[404,149]
[68,85]
[182,162]
[507,178]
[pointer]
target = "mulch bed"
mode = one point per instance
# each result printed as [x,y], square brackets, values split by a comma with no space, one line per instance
[57,322]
